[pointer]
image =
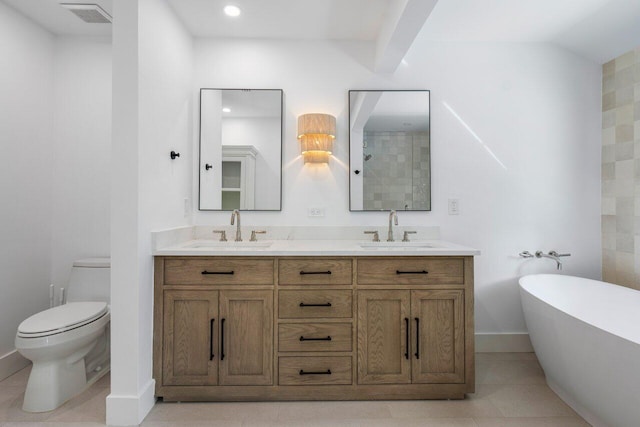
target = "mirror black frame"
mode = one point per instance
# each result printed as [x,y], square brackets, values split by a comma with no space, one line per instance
[200,148]
[357,172]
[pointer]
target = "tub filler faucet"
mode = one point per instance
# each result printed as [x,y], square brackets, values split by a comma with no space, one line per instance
[552,255]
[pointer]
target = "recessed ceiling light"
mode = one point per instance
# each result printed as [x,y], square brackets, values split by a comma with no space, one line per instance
[226,110]
[232,10]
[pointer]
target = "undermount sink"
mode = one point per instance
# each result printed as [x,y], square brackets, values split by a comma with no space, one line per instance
[397,245]
[216,244]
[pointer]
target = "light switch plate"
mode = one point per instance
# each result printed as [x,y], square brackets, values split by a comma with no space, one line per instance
[454,207]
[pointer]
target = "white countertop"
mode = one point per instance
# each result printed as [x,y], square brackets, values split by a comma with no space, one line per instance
[201,247]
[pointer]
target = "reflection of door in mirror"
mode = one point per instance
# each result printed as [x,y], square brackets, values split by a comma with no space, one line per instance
[238,177]
[240,149]
[389,139]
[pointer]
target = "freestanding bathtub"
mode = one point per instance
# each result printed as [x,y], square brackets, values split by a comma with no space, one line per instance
[586,335]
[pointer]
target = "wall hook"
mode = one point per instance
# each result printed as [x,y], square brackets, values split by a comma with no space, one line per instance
[207,166]
[174,155]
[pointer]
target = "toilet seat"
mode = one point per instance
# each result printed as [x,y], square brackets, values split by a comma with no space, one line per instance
[61,319]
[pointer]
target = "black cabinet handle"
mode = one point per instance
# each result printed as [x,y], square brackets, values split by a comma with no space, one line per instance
[218,272]
[406,337]
[207,166]
[211,355]
[302,273]
[326,304]
[328,338]
[327,372]
[222,339]
[412,272]
[417,338]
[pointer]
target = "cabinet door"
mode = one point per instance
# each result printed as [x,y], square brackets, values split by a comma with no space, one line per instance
[246,337]
[190,324]
[438,329]
[383,345]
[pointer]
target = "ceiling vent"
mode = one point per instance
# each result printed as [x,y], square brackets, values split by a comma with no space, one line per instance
[91,13]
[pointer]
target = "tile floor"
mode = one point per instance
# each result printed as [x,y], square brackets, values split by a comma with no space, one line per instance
[510,392]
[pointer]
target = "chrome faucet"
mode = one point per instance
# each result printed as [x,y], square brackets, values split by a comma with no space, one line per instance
[234,214]
[392,215]
[552,255]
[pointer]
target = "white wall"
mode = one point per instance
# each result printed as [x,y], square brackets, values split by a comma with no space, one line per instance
[82,152]
[152,115]
[26,101]
[515,136]
[56,110]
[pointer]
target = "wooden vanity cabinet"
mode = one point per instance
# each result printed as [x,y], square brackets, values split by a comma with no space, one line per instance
[410,336]
[313,328]
[218,337]
[213,323]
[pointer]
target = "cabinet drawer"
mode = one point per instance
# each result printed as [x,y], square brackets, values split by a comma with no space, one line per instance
[315,303]
[411,271]
[323,271]
[314,336]
[314,370]
[218,271]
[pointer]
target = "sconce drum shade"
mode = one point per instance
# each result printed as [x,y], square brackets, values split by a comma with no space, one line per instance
[316,133]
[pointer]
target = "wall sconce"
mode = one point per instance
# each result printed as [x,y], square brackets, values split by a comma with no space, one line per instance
[316,133]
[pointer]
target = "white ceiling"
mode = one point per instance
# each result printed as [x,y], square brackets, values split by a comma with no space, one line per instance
[50,15]
[597,29]
[284,19]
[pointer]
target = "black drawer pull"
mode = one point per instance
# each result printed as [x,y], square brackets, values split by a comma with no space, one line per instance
[328,338]
[327,372]
[218,272]
[326,304]
[412,272]
[302,273]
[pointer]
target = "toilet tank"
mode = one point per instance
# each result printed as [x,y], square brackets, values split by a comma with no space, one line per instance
[90,280]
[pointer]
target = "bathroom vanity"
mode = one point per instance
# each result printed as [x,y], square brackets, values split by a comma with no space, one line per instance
[313,321]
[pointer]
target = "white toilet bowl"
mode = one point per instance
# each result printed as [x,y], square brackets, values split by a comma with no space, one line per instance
[69,348]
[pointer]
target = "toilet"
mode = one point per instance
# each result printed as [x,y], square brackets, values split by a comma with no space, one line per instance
[68,344]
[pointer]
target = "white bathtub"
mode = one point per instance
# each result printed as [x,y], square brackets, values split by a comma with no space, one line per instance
[586,335]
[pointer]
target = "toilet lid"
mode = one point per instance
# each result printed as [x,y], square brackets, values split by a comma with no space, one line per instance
[61,318]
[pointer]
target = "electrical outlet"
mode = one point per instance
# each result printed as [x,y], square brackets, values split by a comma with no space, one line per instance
[317,212]
[454,207]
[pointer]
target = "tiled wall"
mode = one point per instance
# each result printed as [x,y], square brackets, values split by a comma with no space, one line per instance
[396,175]
[621,170]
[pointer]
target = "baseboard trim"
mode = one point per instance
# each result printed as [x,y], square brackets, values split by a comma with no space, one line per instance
[11,363]
[503,343]
[126,410]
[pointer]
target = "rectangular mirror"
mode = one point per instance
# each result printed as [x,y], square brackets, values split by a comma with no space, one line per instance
[240,149]
[389,150]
